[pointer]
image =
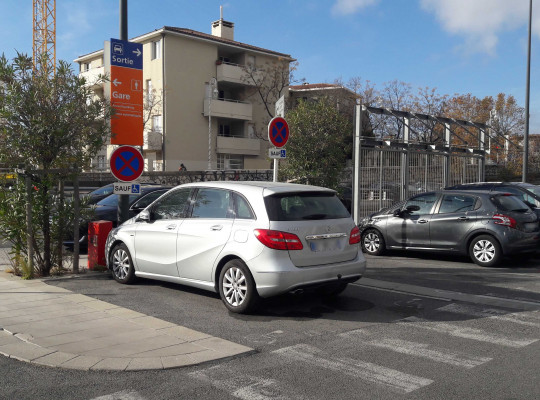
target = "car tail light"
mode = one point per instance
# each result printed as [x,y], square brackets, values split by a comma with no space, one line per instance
[354,238]
[278,240]
[501,219]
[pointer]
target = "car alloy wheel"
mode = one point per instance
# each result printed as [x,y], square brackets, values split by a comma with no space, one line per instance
[373,242]
[122,265]
[484,251]
[237,288]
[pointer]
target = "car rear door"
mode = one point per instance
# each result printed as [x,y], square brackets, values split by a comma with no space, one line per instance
[454,217]
[202,235]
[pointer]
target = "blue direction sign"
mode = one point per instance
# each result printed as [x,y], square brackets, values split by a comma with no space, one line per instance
[278,131]
[126,54]
[126,163]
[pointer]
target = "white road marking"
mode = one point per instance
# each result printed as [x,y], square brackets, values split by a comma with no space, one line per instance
[246,387]
[417,349]
[522,318]
[465,332]
[266,338]
[122,395]
[395,380]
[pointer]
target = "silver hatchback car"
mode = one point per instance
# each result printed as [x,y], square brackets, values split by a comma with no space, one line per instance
[243,240]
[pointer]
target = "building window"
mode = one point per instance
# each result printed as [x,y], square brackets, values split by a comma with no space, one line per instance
[158,165]
[85,67]
[230,161]
[101,162]
[156,49]
[224,130]
[149,90]
[250,61]
[156,123]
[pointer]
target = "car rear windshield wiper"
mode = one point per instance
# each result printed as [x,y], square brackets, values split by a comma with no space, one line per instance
[315,216]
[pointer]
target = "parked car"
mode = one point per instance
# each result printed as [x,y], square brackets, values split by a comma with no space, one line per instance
[243,240]
[528,192]
[485,225]
[106,209]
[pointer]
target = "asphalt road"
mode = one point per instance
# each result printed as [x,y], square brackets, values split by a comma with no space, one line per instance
[368,343]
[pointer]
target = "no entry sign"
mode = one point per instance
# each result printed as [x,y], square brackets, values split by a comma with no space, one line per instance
[126,163]
[278,131]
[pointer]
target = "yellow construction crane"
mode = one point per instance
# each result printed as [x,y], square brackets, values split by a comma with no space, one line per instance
[44,35]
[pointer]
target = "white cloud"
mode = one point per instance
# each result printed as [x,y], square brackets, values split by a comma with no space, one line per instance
[480,22]
[345,7]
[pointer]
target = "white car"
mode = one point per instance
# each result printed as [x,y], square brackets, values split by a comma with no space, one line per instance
[243,240]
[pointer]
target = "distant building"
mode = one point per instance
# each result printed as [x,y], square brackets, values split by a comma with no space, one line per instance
[343,98]
[179,68]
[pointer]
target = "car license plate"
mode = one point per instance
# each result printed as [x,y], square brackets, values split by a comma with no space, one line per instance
[326,245]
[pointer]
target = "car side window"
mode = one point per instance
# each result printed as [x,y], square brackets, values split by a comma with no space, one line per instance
[424,201]
[172,206]
[212,203]
[452,203]
[147,199]
[242,208]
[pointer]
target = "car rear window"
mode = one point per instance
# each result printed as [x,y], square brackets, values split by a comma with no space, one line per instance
[302,206]
[509,203]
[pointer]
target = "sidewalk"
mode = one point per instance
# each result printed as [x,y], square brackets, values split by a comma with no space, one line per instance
[52,326]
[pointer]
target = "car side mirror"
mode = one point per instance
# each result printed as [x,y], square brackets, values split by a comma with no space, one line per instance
[397,213]
[143,216]
[412,208]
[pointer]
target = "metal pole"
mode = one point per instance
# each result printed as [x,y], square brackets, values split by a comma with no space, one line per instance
[527,98]
[357,147]
[276,166]
[123,199]
[123,20]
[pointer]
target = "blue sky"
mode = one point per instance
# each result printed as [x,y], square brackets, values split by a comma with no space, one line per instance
[456,46]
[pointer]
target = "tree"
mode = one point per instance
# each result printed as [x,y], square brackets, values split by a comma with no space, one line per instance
[317,148]
[48,123]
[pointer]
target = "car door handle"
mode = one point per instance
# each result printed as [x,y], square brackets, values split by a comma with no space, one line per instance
[171,227]
[422,221]
[463,218]
[216,227]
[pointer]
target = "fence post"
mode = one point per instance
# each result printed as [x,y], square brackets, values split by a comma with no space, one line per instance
[482,160]
[448,164]
[357,148]
[405,160]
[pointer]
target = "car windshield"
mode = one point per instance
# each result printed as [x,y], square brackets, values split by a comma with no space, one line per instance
[302,206]
[510,203]
[533,188]
[112,200]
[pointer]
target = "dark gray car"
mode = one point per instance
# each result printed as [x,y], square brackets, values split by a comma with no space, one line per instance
[485,225]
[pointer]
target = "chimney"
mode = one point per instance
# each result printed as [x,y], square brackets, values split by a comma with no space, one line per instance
[221,28]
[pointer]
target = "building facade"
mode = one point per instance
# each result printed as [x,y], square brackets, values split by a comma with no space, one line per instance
[202,107]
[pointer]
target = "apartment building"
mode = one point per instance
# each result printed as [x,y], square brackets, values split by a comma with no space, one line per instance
[201,108]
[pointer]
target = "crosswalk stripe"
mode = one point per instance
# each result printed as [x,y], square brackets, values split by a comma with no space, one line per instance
[422,350]
[395,380]
[246,387]
[122,395]
[465,332]
[526,319]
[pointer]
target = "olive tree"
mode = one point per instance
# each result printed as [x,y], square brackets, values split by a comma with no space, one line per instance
[48,123]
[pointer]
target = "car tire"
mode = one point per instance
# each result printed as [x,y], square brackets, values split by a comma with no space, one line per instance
[122,265]
[332,290]
[237,287]
[373,242]
[485,251]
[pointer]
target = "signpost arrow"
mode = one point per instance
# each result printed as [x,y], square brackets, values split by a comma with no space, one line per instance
[116,82]
[138,52]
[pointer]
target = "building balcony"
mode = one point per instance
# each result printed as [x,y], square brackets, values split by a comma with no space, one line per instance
[152,140]
[234,73]
[92,77]
[233,109]
[236,145]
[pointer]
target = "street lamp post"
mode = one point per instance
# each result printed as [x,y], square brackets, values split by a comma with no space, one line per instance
[528,85]
[212,89]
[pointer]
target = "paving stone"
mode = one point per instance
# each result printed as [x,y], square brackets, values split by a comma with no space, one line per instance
[54,359]
[177,349]
[223,346]
[205,355]
[186,334]
[81,362]
[128,348]
[124,313]
[24,351]
[182,360]
[99,305]
[7,338]
[140,364]
[112,364]
[152,322]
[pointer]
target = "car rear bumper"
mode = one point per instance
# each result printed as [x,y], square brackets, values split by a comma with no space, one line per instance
[271,281]
[521,242]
